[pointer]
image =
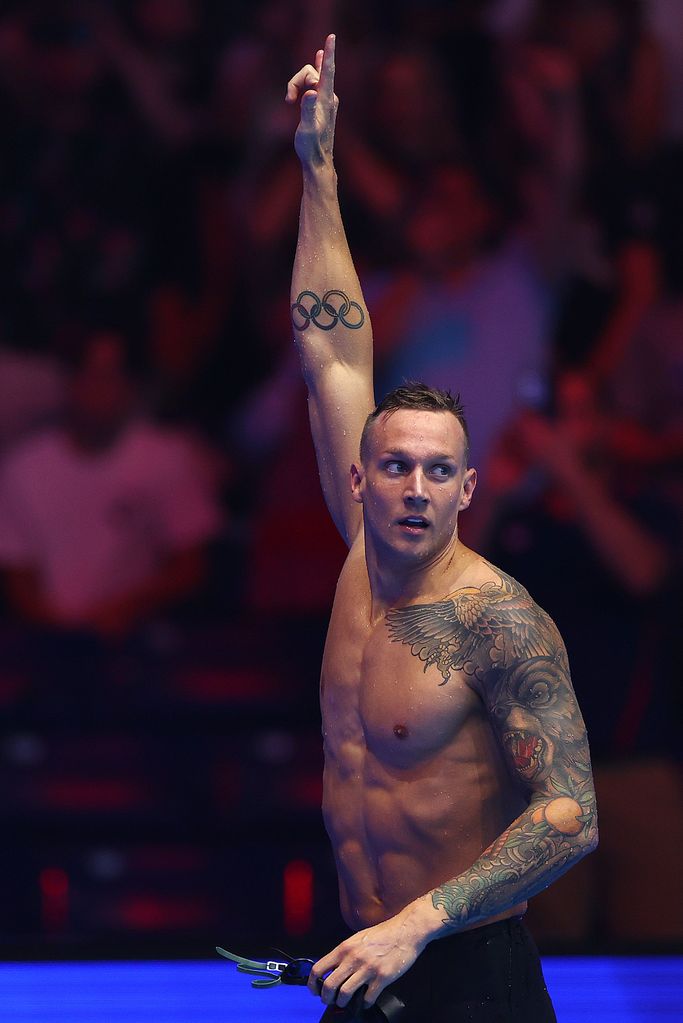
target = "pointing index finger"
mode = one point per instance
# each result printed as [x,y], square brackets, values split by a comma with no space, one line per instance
[326,86]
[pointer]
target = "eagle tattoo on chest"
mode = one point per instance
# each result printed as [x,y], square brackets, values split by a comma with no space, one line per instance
[477,629]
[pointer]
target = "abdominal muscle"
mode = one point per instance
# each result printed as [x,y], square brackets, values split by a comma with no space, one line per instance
[415,788]
[399,832]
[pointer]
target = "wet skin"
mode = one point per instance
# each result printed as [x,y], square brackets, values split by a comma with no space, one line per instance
[403,811]
[415,785]
[457,778]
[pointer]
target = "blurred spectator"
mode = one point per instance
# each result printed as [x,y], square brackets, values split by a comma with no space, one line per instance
[192,366]
[466,316]
[31,393]
[511,182]
[294,551]
[406,122]
[94,204]
[70,231]
[104,521]
[638,360]
[620,75]
[158,61]
[255,128]
[472,307]
[620,82]
[665,21]
[647,384]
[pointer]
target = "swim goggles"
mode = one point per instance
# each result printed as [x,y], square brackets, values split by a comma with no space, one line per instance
[271,972]
[387,1009]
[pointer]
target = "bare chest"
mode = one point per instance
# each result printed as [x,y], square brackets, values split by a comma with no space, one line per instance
[379,696]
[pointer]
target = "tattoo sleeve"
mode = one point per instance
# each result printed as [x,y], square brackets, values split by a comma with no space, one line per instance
[513,653]
[334,307]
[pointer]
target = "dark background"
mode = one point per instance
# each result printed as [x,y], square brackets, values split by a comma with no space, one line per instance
[160,782]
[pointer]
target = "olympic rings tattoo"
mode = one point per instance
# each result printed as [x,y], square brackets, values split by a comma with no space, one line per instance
[323,305]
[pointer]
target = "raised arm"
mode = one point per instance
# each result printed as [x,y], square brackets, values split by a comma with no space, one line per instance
[331,322]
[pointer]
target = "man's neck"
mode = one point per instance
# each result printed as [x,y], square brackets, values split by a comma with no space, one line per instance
[398,581]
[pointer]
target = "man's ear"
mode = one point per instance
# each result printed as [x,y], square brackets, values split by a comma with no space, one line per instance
[356,480]
[468,485]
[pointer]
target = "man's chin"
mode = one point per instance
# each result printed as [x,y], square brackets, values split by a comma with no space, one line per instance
[410,547]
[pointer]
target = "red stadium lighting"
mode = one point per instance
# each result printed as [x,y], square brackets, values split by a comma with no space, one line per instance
[54,892]
[297,896]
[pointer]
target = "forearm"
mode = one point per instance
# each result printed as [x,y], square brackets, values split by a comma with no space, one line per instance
[329,315]
[538,847]
[322,252]
[323,264]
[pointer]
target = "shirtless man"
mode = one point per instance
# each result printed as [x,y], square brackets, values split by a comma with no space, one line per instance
[457,773]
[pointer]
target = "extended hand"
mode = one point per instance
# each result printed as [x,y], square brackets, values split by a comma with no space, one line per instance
[314,137]
[374,957]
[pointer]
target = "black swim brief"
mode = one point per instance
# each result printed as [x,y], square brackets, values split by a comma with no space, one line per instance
[491,974]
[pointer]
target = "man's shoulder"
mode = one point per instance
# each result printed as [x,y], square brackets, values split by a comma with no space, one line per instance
[487,623]
[487,577]
[490,602]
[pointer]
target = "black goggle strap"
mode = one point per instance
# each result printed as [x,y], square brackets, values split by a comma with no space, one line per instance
[271,971]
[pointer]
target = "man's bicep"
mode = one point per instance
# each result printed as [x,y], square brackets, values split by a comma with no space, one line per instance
[338,404]
[541,731]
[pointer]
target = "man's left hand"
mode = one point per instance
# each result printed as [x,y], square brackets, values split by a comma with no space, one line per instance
[374,957]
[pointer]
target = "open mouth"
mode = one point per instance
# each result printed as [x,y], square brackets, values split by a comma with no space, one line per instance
[526,750]
[414,523]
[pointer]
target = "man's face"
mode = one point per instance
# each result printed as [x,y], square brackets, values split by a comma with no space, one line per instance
[413,483]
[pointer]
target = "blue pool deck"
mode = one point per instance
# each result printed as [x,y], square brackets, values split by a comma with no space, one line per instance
[627,990]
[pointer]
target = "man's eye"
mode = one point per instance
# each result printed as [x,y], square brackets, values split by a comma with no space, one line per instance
[395,466]
[441,470]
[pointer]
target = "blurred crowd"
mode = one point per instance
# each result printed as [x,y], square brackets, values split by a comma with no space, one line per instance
[510,179]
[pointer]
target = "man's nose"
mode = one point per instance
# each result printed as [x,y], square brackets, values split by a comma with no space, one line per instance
[416,489]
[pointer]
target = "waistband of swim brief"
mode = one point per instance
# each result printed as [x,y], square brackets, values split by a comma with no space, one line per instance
[510,925]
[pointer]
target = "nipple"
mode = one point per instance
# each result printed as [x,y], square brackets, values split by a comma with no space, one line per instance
[400,731]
